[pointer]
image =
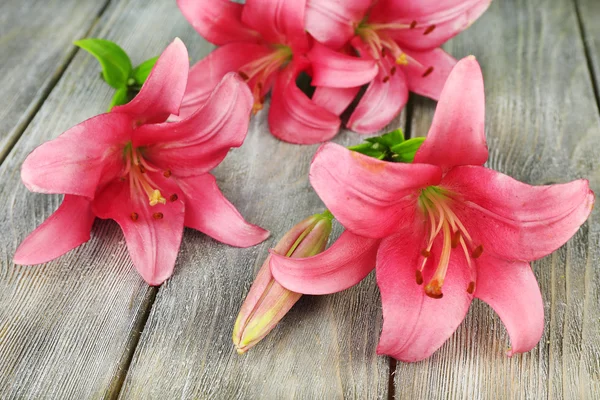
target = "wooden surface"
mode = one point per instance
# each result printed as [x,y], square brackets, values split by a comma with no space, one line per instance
[86,326]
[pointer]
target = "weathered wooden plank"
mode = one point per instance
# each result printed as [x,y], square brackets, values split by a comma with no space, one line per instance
[588,12]
[35,48]
[542,127]
[67,327]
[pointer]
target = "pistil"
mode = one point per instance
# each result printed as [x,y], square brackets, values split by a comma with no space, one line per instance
[136,168]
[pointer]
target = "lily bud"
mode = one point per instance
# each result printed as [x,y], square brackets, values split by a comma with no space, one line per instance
[267,301]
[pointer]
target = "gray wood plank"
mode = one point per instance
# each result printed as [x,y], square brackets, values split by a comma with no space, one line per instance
[543,127]
[67,327]
[588,12]
[35,47]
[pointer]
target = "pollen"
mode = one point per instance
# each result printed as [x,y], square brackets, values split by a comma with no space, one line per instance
[158,215]
[427,72]
[429,30]
[413,25]
[167,173]
[393,71]
[174,197]
[386,79]
[156,197]
[402,59]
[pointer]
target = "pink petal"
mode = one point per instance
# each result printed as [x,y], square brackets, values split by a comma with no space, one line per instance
[448,19]
[199,143]
[67,228]
[208,72]
[369,197]
[279,21]
[382,102]
[457,133]
[335,69]
[153,234]
[218,21]
[334,100]
[208,211]
[511,289]
[295,118]
[332,22]
[77,161]
[347,262]
[514,220]
[432,83]
[415,325]
[162,92]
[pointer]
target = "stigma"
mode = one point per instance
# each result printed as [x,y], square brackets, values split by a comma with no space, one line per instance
[436,203]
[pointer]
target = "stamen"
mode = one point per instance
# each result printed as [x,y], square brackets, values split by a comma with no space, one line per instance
[425,253]
[157,215]
[243,75]
[477,252]
[173,197]
[386,79]
[471,287]
[393,71]
[419,277]
[429,30]
[134,216]
[167,173]
[455,239]
[413,24]
[142,169]
[429,71]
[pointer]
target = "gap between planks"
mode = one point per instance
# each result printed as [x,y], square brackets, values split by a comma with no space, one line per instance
[587,52]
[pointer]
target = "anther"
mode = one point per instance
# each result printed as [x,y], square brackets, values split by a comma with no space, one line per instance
[385,79]
[427,72]
[142,169]
[122,179]
[134,216]
[167,173]
[425,253]
[243,75]
[383,52]
[429,30]
[471,287]
[419,277]
[413,24]
[157,215]
[173,197]
[477,252]
[393,71]
[455,239]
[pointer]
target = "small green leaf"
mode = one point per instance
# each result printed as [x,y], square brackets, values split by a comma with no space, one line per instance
[120,97]
[116,65]
[405,151]
[389,139]
[369,149]
[141,72]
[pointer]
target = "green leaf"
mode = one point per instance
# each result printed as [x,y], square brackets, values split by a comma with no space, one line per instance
[116,65]
[405,151]
[389,139]
[374,150]
[120,97]
[141,72]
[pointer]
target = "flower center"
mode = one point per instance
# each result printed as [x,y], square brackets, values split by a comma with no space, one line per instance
[257,72]
[136,168]
[380,45]
[436,203]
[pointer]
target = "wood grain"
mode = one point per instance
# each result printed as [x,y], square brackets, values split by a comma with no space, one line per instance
[35,47]
[543,127]
[66,326]
[588,12]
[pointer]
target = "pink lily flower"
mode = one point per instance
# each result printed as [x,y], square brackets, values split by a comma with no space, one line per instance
[450,230]
[402,37]
[150,176]
[265,42]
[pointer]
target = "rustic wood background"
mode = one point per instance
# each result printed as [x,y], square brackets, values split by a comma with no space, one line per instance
[86,326]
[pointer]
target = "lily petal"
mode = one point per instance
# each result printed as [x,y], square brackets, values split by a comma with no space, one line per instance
[295,118]
[206,74]
[208,211]
[199,143]
[334,100]
[424,81]
[347,262]
[385,97]
[457,133]
[437,21]
[218,21]
[68,227]
[511,289]
[153,234]
[279,21]
[161,94]
[415,325]
[514,220]
[79,159]
[332,22]
[334,69]
[369,197]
